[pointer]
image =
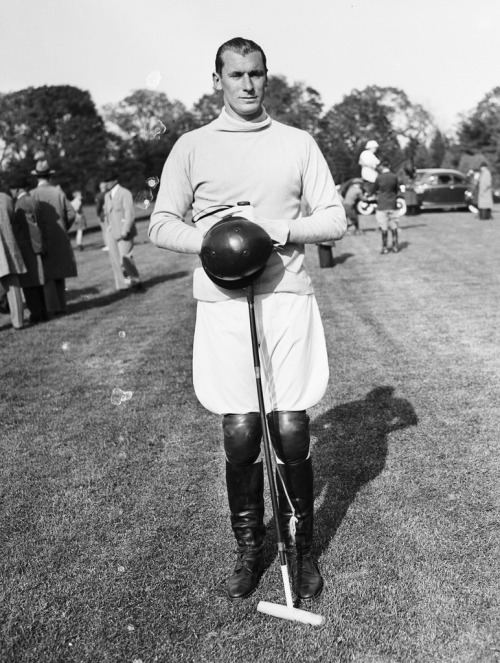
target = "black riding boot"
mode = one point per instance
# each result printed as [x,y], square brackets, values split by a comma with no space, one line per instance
[245,489]
[395,245]
[306,579]
[384,242]
[290,432]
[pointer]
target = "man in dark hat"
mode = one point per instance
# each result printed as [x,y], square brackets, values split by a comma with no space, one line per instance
[29,233]
[56,217]
[119,223]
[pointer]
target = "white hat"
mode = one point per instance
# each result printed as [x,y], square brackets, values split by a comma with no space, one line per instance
[371,143]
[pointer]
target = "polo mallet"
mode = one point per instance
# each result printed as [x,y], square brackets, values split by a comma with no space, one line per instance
[234,253]
[287,611]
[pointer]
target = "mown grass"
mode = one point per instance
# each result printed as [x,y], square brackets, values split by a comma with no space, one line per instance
[115,535]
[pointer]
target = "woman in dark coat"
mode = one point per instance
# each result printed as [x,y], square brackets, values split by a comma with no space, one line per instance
[30,239]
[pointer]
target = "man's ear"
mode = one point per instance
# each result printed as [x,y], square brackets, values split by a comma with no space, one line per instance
[216,81]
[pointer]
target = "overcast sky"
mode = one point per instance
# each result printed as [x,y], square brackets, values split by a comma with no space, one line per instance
[445,54]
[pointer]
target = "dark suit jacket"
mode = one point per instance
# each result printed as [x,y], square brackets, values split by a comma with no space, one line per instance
[57,216]
[30,239]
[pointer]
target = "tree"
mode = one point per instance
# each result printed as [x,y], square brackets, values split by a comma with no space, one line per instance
[437,149]
[60,122]
[479,131]
[144,114]
[296,105]
[145,125]
[410,121]
[348,125]
[207,108]
[384,114]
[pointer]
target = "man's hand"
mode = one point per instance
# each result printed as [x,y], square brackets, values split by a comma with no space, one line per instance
[277,230]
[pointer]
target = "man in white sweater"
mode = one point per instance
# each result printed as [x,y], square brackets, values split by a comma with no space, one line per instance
[244,155]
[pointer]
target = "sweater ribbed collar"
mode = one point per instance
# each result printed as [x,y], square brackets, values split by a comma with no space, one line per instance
[227,123]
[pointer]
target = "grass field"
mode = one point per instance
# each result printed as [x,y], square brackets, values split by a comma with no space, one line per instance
[115,534]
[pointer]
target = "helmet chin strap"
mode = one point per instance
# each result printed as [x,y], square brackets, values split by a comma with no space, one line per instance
[210,211]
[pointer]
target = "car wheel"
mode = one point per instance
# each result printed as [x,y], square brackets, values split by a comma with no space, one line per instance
[365,208]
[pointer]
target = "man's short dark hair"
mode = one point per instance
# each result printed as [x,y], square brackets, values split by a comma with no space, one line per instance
[241,46]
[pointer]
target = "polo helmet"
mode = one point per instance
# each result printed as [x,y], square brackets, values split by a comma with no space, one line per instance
[234,252]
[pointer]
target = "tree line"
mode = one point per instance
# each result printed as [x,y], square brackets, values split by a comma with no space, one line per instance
[62,123]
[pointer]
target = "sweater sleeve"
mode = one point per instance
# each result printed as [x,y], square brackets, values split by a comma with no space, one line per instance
[326,220]
[167,228]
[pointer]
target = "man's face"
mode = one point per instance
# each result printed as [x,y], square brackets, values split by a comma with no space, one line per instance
[242,81]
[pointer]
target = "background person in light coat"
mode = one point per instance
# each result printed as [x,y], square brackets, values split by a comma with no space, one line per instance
[119,220]
[29,235]
[57,216]
[11,260]
[369,163]
[484,192]
[81,221]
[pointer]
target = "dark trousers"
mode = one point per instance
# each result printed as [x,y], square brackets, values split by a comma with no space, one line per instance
[35,302]
[55,296]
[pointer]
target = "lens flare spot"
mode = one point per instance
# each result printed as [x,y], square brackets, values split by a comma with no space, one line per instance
[143,199]
[156,128]
[152,182]
[118,396]
[153,79]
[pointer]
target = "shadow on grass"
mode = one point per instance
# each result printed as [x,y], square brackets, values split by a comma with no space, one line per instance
[339,260]
[404,226]
[350,451]
[90,302]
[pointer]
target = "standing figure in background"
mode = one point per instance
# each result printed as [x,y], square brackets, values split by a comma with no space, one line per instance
[369,163]
[325,254]
[30,238]
[57,216]
[11,260]
[119,218]
[406,176]
[484,192]
[81,221]
[99,208]
[352,196]
[387,214]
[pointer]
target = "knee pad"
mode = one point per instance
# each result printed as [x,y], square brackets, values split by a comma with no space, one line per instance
[290,436]
[242,438]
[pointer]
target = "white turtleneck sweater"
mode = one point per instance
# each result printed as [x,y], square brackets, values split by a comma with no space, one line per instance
[273,166]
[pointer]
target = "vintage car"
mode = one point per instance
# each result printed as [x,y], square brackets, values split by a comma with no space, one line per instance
[441,188]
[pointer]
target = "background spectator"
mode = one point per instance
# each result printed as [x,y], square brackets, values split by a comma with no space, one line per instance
[29,236]
[11,260]
[57,215]
[80,221]
[484,192]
